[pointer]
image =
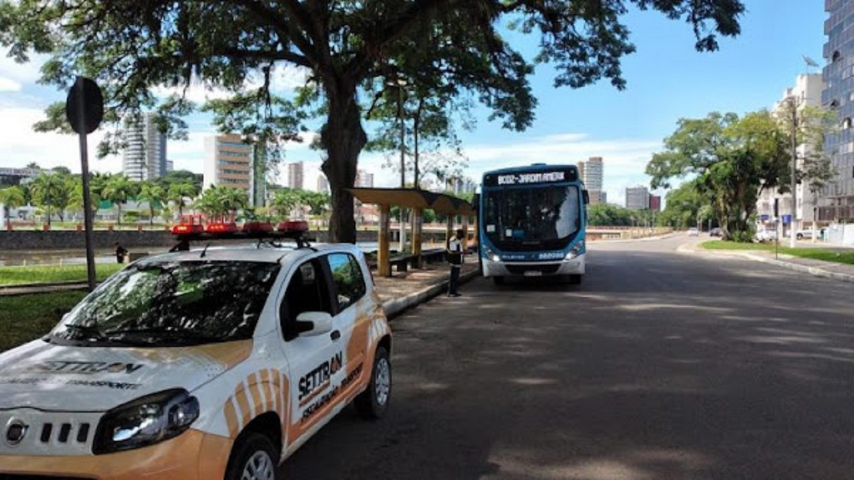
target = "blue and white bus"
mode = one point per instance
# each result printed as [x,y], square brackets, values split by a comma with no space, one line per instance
[531,223]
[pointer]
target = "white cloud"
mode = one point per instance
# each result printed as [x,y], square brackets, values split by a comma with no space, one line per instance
[23,73]
[285,79]
[20,144]
[9,85]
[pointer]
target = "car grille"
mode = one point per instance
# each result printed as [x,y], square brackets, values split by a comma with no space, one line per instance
[521,269]
[49,433]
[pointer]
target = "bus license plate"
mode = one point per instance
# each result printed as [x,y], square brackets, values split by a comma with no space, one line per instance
[533,273]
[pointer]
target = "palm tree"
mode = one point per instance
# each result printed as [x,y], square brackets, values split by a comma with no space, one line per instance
[153,194]
[233,199]
[119,190]
[11,197]
[47,189]
[285,201]
[178,192]
[210,203]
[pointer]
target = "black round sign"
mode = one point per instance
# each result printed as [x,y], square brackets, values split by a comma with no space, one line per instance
[84,107]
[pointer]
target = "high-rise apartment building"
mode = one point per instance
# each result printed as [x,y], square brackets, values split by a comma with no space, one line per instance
[364,179]
[144,156]
[580,166]
[295,175]
[322,184]
[838,94]
[637,198]
[806,92]
[228,162]
[593,171]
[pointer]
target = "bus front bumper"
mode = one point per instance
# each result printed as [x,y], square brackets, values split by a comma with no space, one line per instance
[575,266]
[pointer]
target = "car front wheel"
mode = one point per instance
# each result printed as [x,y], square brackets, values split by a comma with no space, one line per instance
[373,402]
[254,458]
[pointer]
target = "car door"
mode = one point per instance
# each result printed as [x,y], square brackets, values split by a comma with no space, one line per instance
[353,307]
[316,361]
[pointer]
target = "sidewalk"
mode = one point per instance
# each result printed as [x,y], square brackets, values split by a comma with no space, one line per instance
[836,271]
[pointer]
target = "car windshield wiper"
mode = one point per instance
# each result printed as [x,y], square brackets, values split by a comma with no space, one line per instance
[162,332]
[85,332]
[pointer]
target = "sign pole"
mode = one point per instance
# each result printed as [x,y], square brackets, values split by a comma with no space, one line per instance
[84,109]
[87,199]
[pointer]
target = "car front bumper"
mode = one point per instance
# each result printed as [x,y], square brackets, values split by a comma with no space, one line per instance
[193,455]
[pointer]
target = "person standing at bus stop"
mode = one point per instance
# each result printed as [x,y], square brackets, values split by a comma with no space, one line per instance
[455,258]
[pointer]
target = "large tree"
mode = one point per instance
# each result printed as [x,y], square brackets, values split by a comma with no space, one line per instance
[732,159]
[239,45]
[52,191]
[11,197]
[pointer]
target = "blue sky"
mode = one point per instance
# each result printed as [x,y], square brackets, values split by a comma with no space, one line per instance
[667,80]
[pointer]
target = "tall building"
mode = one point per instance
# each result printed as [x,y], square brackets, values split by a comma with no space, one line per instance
[322,184]
[364,179]
[228,162]
[295,175]
[838,94]
[144,156]
[807,92]
[637,198]
[462,185]
[580,166]
[593,173]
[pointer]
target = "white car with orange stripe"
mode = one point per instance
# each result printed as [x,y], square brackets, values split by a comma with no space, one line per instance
[197,365]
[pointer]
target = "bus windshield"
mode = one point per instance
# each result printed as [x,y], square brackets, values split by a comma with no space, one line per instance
[542,217]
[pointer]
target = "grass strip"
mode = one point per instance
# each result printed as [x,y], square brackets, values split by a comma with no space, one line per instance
[844,256]
[27,317]
[54,273]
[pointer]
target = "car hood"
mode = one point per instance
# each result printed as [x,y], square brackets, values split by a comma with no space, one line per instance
[71,378]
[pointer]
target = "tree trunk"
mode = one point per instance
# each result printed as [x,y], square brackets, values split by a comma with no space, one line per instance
[343,138]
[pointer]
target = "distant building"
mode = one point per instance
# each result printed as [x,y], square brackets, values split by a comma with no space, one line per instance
[838,94]
[364,179]
[580,166]
[593,173]
[295,175]
[228,162]
[655,203]
[637,198]
[144,156]
[15,176]
[462,186]
[170,166]
[322,184]
[807,92]
[597,197]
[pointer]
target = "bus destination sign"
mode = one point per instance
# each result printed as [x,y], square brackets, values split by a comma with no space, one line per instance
[528,178]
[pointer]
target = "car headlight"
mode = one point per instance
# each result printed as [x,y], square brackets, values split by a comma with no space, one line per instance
[575,251]
[490,254]
[146,421]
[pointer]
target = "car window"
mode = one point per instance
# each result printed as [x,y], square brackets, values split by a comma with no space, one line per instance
[307,291]
[347,278]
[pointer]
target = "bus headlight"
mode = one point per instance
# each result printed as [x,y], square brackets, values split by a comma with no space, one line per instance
[575,251]
[490,255]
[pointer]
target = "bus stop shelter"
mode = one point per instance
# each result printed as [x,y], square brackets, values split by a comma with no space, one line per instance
[417,200]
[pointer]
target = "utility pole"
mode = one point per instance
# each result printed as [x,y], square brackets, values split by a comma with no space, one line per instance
[794,182]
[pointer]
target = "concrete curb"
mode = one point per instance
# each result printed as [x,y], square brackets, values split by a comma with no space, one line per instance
[397,306]
[814,271]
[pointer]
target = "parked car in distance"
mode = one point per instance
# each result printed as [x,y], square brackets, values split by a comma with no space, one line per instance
[765,236]
[716,232]
[804,233]
[693,232]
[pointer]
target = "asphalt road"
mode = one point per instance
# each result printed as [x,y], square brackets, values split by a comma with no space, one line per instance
[660,366]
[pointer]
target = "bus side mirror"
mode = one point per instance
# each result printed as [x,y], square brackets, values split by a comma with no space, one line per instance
[586,196]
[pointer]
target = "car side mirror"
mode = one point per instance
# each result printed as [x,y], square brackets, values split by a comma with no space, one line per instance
[310,324]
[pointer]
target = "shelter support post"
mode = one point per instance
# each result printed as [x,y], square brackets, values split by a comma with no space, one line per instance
[383,264]
[416,236]
[465,227]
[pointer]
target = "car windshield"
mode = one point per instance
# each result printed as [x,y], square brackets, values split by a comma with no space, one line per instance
[542,215]
[175,303]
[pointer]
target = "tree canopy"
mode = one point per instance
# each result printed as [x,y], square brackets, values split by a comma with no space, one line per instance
[347,48]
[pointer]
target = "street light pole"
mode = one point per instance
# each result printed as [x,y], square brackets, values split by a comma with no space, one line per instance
[794,182]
